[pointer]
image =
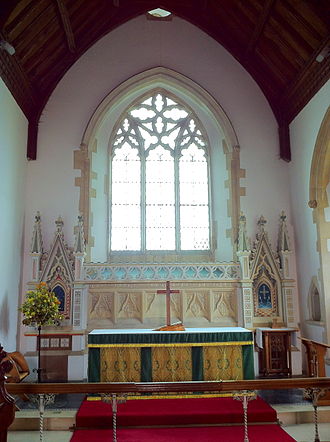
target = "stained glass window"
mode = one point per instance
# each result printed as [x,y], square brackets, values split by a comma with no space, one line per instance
[159,178]
[60,295]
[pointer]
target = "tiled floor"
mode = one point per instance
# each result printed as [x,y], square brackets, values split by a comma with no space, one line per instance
[301,433]
[61,401]
[273,397]
[306,432]
[33,436]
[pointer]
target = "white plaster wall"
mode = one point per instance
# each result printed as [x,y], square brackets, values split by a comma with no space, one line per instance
[132,48]
[303,131]
[13,133]
[77,368]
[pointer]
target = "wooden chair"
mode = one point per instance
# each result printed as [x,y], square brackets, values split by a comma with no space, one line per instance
[20,367]
[19,370]
[316,353]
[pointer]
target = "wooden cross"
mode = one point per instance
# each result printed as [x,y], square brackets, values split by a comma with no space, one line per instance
[168,293]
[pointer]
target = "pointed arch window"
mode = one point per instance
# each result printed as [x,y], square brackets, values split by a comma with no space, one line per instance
[159,178]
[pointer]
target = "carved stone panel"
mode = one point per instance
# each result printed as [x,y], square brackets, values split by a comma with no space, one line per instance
[225,307]
[130,305]
[137,305]
[101,306]
[198,304]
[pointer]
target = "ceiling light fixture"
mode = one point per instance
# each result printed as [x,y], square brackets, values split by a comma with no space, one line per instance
[7,47]
[159,13]
[323,54]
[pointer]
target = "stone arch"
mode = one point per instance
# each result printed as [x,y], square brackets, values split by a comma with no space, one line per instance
[113,105]
[161,77]
[319,201]
[320,167]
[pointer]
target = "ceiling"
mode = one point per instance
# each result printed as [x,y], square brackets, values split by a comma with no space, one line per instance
[278,42]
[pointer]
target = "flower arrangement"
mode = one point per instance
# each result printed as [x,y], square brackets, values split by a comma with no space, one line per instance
[41,307]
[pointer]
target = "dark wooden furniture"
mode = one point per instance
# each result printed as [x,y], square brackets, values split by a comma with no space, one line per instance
[55,349]
[274,348]
[54,368]
[168,387]
[20,369]
[7,402]
[316,352]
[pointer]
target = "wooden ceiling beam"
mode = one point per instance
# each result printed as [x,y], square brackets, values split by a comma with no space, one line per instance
[7,6]
[262,20]
[33,38]
[296,46]
[24,94]
[284,67]
[27,19]
[17,82]
[295,97]
[292,20]
[305,85]
[296,82]
[66,23]
[284,141]
[309,23]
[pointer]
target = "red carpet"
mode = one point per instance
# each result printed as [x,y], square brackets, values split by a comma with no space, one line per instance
[146,412]
[257,433]
[188,420]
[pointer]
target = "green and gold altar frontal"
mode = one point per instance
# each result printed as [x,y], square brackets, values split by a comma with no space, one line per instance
[195,354]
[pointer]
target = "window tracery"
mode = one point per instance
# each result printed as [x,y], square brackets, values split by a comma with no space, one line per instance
[159,178]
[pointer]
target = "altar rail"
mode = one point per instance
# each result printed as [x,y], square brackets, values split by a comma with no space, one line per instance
[243,388]
[168,387]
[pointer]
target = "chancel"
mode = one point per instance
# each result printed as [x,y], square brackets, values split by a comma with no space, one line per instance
[165,172]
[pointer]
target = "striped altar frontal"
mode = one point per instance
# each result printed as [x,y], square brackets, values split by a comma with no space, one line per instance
[196,354]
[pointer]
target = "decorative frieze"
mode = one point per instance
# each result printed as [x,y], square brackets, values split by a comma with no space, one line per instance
[162,272]
[247,306]
[77,307]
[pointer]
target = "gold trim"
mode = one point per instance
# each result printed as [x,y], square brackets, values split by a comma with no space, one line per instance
[191,344]
[172,396]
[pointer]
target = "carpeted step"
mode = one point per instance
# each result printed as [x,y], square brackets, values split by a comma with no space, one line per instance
[257,433]
[165,412]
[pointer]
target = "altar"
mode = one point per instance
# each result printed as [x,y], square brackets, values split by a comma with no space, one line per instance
[196,354]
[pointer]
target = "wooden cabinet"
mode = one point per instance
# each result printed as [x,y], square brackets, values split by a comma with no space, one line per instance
[274,348]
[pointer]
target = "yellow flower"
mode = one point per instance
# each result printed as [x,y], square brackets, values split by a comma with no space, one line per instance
[41,307]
